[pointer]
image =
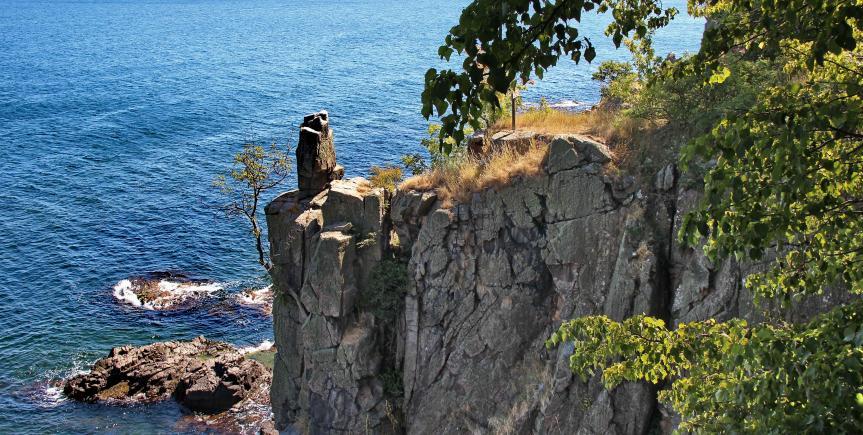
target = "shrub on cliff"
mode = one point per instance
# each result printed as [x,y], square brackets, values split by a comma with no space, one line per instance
[385,176]
[256,170]
[384,295]
[784,174]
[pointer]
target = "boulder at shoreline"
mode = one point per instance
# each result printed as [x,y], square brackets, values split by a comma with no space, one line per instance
[202,375]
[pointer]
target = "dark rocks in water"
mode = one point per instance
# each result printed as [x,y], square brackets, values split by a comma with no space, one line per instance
[163,290]
[217,386]
[316,155]
[202,375]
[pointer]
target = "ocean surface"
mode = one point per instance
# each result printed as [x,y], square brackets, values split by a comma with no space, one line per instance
[115,116]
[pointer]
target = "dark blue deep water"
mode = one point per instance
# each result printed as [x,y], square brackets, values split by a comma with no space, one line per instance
[115,115]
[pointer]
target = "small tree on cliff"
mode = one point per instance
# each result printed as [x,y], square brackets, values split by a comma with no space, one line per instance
[256,169]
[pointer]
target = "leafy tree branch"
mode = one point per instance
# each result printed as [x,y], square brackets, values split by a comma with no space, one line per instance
[256,170]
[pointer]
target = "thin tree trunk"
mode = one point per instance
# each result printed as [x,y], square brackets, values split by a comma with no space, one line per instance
[253,217]
[512,104]
[261,260]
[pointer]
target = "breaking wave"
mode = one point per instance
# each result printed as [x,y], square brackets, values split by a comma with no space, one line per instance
[567,105]
[265,345]
[160,291]
[261,298]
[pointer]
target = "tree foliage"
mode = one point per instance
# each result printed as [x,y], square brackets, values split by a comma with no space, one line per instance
[256,170]
[786,181]
[414,164]
[780,86]
[732,377]
[503,42]
[387,177]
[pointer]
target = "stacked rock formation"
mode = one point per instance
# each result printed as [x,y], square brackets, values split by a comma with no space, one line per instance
[325,238]
[316,155]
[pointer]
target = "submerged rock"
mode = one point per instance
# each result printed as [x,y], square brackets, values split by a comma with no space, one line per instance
[202,375]
[163,290]
[260,298]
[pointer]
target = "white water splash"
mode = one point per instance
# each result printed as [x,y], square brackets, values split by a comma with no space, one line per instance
[262,296]
[167,293]
[569,105]
[53,396]
[265,345]
[123,293]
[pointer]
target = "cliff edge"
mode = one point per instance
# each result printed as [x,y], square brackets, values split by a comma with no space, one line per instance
[486,282]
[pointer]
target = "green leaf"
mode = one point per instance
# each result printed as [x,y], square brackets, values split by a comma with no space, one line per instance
[590,54]
[719,75]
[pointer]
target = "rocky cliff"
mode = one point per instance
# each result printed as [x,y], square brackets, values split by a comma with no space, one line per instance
[492,278]
[487,283]
[325,238]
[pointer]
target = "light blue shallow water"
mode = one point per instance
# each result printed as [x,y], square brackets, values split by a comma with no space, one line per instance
[115,115]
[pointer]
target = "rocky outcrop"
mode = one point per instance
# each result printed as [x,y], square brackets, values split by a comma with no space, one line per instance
[316,155]
[489,280]
[494,277]
[202,375]
[328,361]
[163,290]
[328,365]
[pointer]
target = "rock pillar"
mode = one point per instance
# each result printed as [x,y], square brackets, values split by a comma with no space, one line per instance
[325,238]
[316,155]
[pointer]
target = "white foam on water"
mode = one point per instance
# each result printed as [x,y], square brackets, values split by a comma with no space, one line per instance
[123,293]
[170,293]
[569,105]
[48,392]
[265,345]
[53,396]
[261,296]
[566,105]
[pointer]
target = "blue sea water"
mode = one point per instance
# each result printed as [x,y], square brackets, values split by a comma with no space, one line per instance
[115,115]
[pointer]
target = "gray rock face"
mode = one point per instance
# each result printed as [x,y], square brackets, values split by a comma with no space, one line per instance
[407,212]
[489,281]
[495,277]
[316,155]
[480,144]
[327,369]
[202,375]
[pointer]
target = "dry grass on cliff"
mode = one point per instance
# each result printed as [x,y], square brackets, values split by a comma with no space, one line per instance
[459,178]
[618,132]
[632,142]
[610,126]
[552,121]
